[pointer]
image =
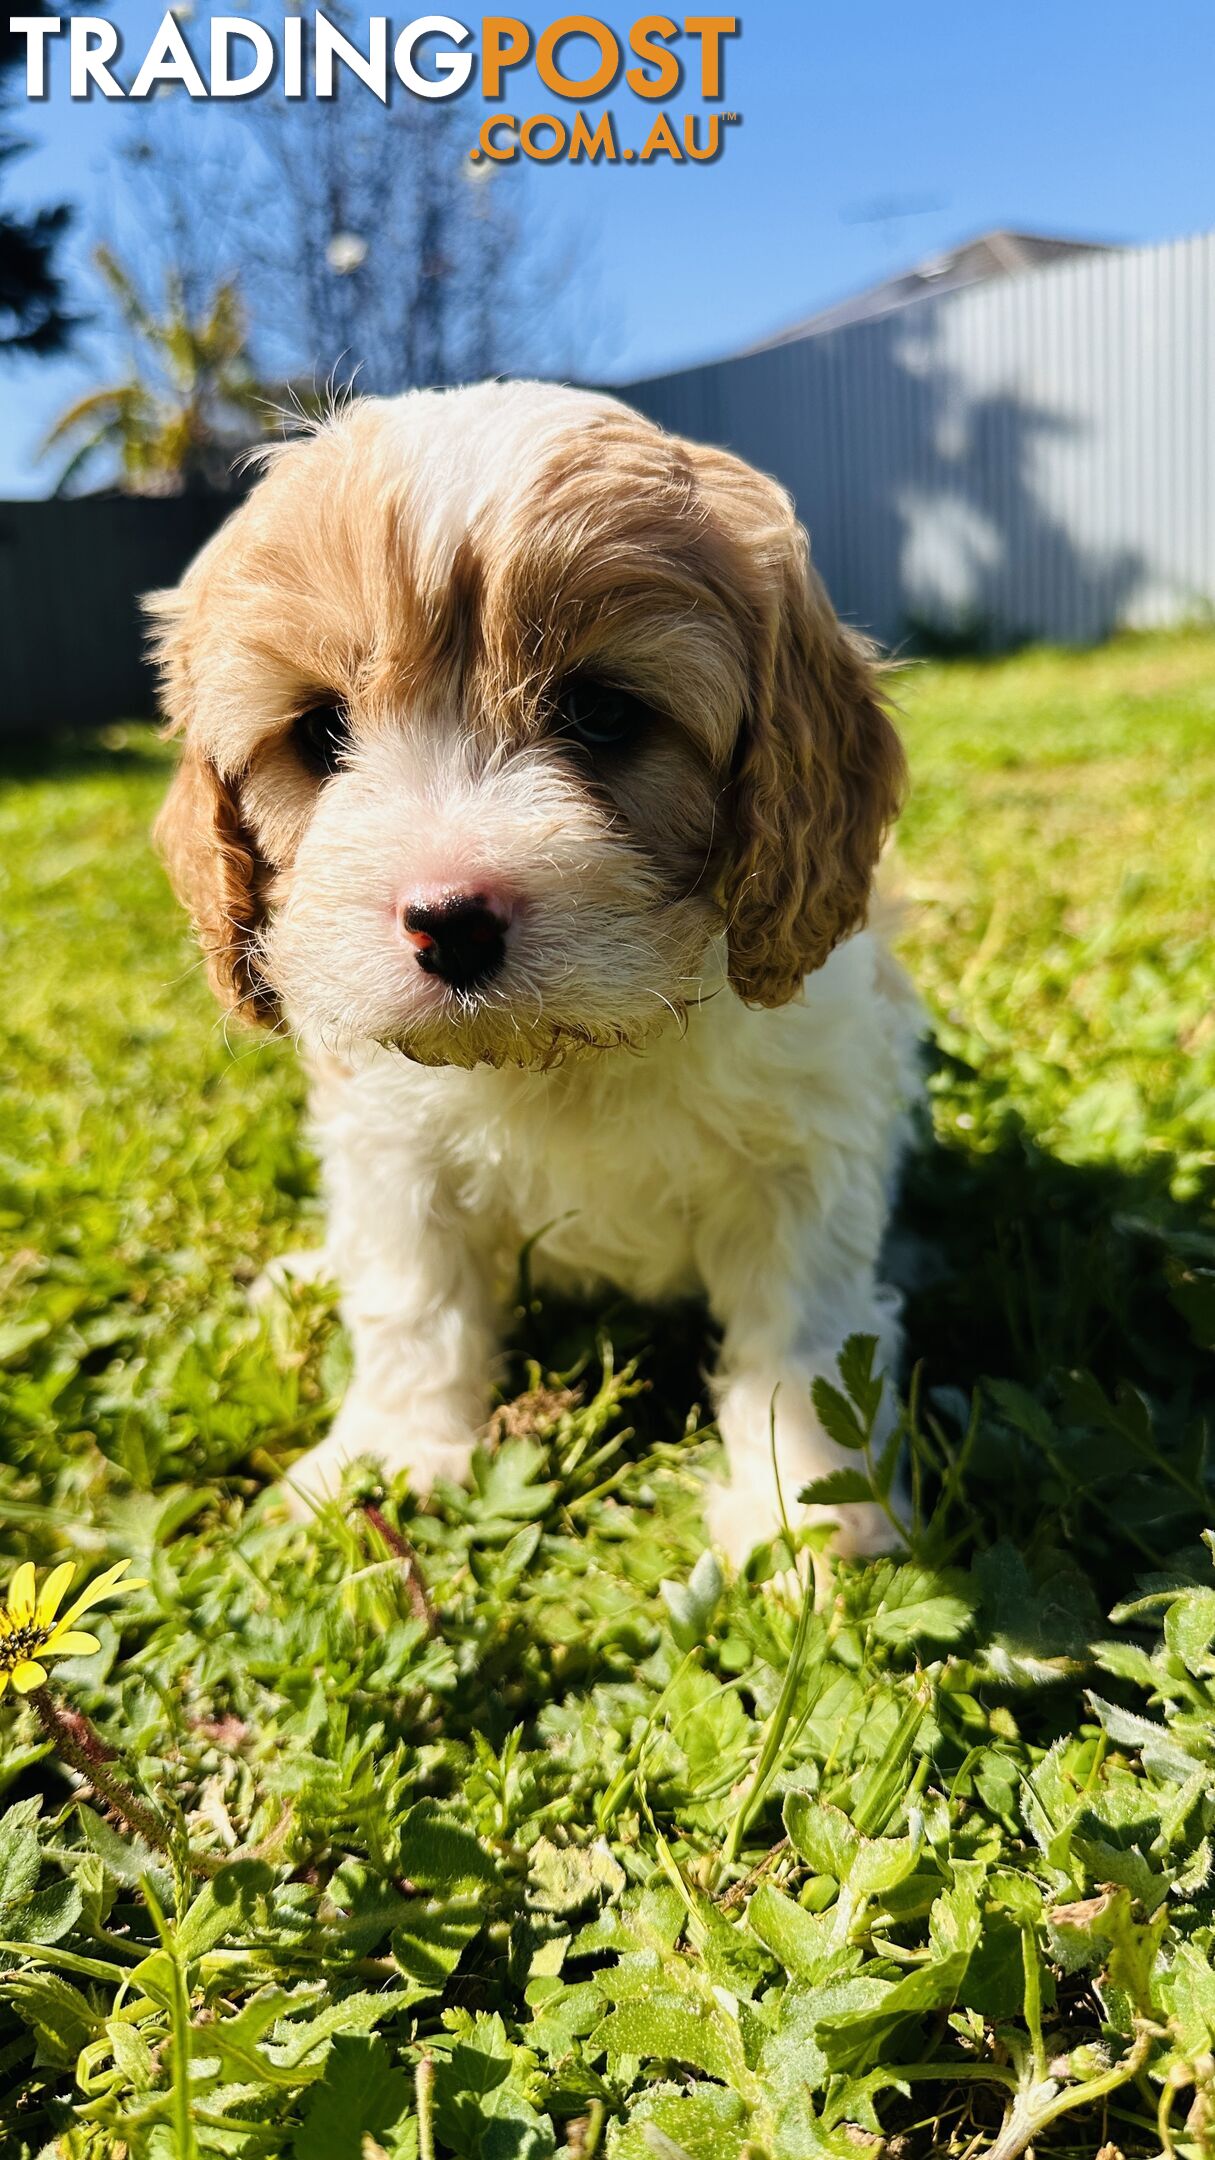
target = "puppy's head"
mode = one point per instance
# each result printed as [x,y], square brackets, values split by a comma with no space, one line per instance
[506,716]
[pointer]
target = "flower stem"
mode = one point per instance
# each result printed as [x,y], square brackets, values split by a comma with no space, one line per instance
[770,1756]
[402,1550]
[1033,2001]
[1034,2110]
[425,2087]
[77,1744]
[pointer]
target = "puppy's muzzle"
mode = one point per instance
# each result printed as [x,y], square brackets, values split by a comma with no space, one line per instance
[460,937]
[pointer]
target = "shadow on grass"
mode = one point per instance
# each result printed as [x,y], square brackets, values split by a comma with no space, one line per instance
[1014,1263]
[1078,1301]
[1054,1290]
[674,1347]
[126,749]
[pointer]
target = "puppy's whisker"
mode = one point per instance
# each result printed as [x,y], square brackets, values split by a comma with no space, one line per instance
[679,1016]
[193,967]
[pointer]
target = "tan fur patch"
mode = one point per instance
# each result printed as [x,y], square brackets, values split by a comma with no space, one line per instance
[438,566]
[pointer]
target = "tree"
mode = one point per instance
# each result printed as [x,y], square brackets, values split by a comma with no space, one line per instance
[339,240]
[190,403]
[396,259]
[34,317]
[390,257]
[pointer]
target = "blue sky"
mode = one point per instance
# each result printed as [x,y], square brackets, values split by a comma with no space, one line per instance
[872,133]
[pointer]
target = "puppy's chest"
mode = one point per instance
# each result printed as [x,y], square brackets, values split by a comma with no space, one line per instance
[609,1182]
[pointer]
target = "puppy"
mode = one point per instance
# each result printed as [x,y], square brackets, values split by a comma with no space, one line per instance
[529,778]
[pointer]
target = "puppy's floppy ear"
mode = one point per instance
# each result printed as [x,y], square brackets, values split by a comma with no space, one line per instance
[215,871]
[819,776]
[212,859]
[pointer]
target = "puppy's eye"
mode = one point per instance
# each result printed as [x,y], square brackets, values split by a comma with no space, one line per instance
[599,715]
[320,736]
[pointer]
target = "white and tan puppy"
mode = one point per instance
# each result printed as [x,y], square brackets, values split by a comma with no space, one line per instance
[529,778]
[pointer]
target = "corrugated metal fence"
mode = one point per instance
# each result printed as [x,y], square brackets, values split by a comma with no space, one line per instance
[1030,458]
[1034,457]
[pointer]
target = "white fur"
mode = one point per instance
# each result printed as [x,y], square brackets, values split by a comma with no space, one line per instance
[747,1158]
[461,458]
[606,1091]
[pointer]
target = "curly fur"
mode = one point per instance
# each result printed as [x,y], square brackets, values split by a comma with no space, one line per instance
[439,565]
[819,781]
[216,872]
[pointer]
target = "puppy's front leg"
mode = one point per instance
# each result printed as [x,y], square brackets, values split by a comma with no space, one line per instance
[788,1290]
[417,1301]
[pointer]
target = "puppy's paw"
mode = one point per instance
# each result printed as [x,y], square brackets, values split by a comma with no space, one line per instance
[863,1529]
[277,1279]
[742,1516]
[395,1441]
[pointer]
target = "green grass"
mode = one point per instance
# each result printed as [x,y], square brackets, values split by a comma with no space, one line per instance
[586,1851]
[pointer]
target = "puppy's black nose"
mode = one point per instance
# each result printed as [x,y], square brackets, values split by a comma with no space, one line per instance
[460,937]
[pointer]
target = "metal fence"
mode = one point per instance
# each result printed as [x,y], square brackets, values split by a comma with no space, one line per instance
[71,573]
[1030,458]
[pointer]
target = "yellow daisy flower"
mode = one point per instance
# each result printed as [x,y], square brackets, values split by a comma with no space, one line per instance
[29,1630]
